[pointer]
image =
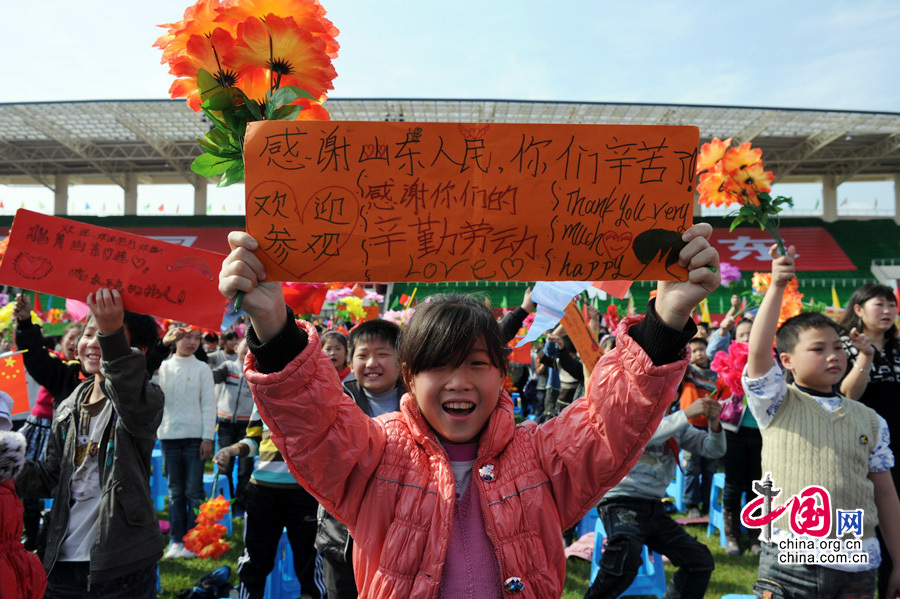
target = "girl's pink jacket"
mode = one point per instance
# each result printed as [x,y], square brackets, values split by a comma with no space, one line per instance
[389,480]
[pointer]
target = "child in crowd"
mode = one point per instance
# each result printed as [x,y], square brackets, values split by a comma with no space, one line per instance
[376,387]
[334,344]
[449,496]
[633,513]
[21,573]
[699,382]
[728,331]
[103,535]
[812,435]
[234,404]
[228,351]
[273,502]
[186,433]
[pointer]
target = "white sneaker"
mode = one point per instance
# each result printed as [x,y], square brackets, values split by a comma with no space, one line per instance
[175,550]
[186,553]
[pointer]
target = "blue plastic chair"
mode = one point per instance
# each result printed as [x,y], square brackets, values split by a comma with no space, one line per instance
[650,579]
[587,524]
[221,488]
[159,487]
[282,582]
[675,490]
[716,517]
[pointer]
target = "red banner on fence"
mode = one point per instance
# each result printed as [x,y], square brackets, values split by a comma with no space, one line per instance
[748,248]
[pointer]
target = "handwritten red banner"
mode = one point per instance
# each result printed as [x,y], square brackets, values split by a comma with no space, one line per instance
[386,201]
[71,259]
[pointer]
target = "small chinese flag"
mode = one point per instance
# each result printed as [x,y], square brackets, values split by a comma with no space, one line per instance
[12,381]
[358,291]
[372,312]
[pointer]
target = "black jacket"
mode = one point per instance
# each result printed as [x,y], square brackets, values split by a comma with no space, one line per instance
[128,535]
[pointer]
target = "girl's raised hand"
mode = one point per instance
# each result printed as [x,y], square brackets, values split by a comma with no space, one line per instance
[243,271]
[108,309]
[676,299]
[783,270]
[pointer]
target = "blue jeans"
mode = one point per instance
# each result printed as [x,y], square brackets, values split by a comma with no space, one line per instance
[184,469]
[698,480]
[813,582]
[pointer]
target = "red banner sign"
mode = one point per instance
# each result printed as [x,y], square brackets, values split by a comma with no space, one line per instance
[748,248]
[71,259]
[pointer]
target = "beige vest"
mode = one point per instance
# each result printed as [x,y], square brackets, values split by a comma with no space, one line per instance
[805,445]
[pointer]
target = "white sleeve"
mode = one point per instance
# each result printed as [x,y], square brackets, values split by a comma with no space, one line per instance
[881,458]
[765,394]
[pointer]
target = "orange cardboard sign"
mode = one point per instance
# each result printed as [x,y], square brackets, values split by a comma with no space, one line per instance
[71,259]
[582,337]
[386,201]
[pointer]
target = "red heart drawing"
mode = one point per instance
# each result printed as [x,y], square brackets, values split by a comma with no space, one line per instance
[31,266]
[616,243]
[138,262]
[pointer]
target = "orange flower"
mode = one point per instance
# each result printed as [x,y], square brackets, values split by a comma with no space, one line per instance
[741,157]
[755,177]
[717,188]
[200,19]
[203,52]
[711,153]
[761,281]
[282,47]
[308,14]
[312,111]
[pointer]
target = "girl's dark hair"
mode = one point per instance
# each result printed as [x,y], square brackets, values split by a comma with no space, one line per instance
[444,330]
[335,334]
[860,297]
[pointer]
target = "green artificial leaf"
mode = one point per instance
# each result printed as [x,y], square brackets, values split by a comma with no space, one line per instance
[221,100]
[251,106]
[285,95]
[287,113]
[227,153]
[220,138]
[234,174]
[207,84]
[214,119]
[208,165]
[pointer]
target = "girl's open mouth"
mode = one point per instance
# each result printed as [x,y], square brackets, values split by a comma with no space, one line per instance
[459,408]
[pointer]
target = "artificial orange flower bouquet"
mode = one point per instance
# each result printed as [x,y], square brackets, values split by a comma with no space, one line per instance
[791,303]
[205,539]
[735,175]
[248,60]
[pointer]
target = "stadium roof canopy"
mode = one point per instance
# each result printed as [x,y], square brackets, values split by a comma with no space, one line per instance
[105,140]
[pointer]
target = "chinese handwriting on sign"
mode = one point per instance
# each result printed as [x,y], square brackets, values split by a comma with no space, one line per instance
[478,201]
[63,257]
[810,512]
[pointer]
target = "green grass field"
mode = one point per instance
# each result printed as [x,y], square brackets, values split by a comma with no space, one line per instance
[732,574]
